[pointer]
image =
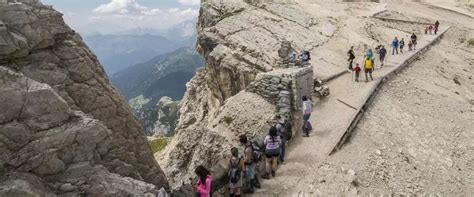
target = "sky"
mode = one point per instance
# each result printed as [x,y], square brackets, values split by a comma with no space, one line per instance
[110,16]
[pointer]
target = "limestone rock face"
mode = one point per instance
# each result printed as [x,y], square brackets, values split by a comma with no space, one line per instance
[63,128]
[166,117]
[238,39]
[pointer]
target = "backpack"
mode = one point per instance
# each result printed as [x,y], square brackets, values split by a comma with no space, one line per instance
[288,131]
[282,130]
[234,172]
[256,152]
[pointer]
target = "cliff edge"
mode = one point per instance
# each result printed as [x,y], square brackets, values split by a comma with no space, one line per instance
[63,128]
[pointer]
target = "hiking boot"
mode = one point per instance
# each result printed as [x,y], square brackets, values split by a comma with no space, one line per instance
[266,176]
[273,173]
[256,183]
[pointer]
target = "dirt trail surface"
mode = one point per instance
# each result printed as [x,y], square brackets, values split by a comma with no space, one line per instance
[415,139]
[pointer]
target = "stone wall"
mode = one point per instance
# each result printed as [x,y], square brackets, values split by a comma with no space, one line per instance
[284,88]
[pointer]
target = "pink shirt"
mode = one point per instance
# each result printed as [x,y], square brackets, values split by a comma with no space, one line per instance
[204,189]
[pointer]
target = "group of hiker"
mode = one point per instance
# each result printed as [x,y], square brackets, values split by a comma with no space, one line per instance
[244,162]
[430,29]
[245,159]
[369,59]
[303,57]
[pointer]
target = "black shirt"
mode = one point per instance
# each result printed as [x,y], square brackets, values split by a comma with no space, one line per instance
[351,55]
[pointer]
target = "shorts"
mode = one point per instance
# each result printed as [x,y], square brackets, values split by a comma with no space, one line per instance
[272,153]
[269,156]
[368,70]
[236,185]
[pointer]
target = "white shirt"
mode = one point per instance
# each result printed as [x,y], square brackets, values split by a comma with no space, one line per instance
[307,107]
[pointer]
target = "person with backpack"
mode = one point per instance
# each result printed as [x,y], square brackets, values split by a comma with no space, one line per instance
[293,57]
[382,54]
[288,130]
[305,56]
[410,45]
[203,185]
[251,157]
[395,45]
[413,40]
[307,110]
[272,151]
[402,44]
[236,166]
[280,126]
[368,68]
[351,56]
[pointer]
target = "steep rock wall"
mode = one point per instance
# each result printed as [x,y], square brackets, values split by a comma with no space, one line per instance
[58,84]
[238,40]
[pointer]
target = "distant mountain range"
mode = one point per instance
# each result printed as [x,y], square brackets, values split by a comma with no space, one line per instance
[164,75]
[181,31]
[144,84]
[147,65]
[117,52]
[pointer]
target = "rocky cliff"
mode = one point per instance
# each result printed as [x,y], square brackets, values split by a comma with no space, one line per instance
[164,117]
[238,39]
[63,128]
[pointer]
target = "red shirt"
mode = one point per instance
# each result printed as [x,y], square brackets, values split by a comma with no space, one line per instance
[357,69]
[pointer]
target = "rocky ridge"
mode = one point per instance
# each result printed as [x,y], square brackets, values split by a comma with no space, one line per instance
[64,130]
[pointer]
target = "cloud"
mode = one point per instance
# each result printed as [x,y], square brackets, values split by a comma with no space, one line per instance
[189,2]
[120,7]
[121,15]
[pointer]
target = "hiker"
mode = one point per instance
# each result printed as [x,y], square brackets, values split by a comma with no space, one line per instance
[235,168]
[203,185]
[395,45]
[307,110]
[368,68]
[402,44]
[280,126]
[357,71]
[272,152]
[305,56]
[370,55]
[351,56]
[293,57]
[427,29]
[413,40]
[382,53]
[436,26]
[251,159]
[410,45]
[288,130]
